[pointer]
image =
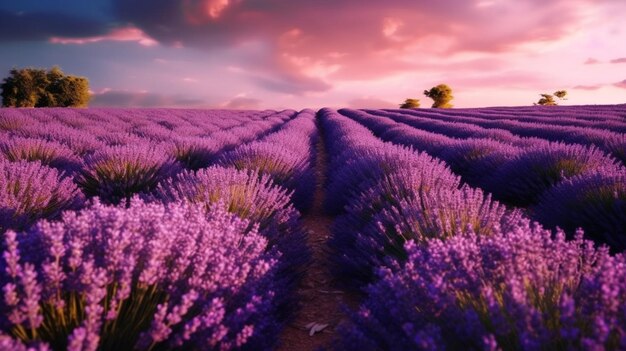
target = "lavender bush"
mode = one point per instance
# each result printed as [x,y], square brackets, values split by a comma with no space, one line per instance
[420,216]
[596,202]
[30,191]
[49,153]
[115,174]
[523,289]
[523,179]
[290,170]
[146,277]
[254,197]
[194,152]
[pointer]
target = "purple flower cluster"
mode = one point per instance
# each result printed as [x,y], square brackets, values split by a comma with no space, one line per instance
[254,197]
[525,177]
[116,173]
[519,289]
[394,195]
[49,153]
[144,277]
[286,155]
[30,191]
[595,201]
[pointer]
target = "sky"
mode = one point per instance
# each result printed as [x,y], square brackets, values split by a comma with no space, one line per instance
[258,54]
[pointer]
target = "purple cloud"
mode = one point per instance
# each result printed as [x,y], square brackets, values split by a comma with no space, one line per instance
[243,103]
[122,98]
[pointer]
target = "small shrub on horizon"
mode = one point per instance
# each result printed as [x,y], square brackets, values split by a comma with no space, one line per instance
[410,103]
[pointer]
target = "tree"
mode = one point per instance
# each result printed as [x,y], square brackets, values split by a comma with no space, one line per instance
[560,94]
[410,103]
[441,94]
[548,99]
[33,87]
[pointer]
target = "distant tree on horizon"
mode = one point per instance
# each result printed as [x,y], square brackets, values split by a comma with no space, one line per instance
[548,99]
[410,103]
[35,87]
[441,95]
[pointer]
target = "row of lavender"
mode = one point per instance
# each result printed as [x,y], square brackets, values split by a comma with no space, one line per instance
[564,185]
[204,258]
[111,157]
[448,268]
[513,131]
[603,117]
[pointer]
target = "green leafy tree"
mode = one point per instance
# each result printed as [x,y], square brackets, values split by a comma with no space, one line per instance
[441,95]
[548,99]
[410,103]
[33,87]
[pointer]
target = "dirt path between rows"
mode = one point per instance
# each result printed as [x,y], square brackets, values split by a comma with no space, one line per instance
[321,299]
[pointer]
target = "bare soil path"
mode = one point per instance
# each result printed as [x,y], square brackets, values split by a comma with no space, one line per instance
[321,299]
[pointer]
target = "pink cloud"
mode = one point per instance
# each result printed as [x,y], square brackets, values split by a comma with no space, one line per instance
[123,98]
[312,41]
[619,60]
[621,84]
[588,87]
[371,102]
[119,34]
[591,61]
[242,103]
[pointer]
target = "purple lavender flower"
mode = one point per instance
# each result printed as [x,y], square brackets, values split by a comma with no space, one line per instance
[110,277]
[49,153]
[523,288]
[251,196]
[194,152]
[476,159]
[522,180]
[30,191]
[596,202]
[369,237]
[290,169]
[116,173]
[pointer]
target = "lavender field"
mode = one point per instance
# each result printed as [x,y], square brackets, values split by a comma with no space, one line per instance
[465,229]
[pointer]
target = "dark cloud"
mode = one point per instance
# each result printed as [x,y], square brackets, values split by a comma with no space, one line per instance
[243,103]
[41,26]
[121,98]
[619,60]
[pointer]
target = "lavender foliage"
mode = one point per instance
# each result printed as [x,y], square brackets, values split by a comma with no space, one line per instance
[254,197]
[522,180]
[30,191]
[595,202]
[115,174]
[521,289]
[149,276]
[49,153]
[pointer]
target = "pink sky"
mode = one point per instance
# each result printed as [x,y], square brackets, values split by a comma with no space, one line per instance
[286,53]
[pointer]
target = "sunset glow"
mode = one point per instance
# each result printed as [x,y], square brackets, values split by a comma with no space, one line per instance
[279,53]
